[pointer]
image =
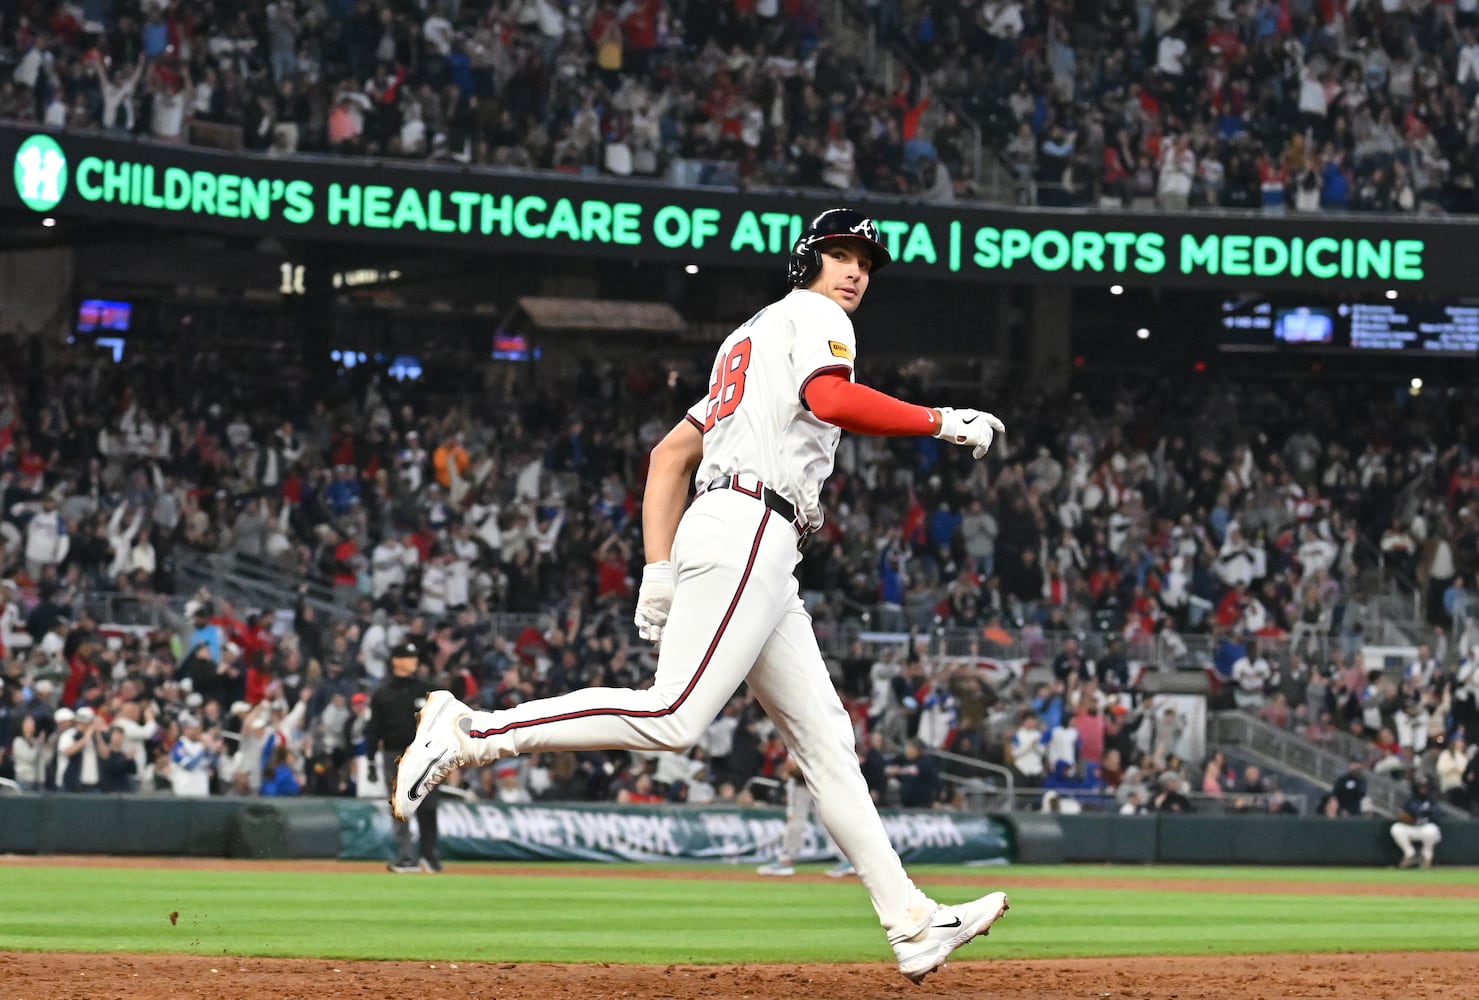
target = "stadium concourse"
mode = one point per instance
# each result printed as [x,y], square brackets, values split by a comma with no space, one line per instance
[1293,106]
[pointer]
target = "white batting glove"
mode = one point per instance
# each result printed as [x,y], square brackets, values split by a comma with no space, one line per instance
[972,428]
[654,598]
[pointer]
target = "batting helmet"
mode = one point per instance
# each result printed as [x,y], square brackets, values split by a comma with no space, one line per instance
[833,224]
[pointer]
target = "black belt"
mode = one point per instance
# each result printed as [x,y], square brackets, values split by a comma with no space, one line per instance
[765,495]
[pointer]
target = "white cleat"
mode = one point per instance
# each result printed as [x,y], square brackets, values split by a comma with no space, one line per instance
[948,929]
[432,755]
[775,868]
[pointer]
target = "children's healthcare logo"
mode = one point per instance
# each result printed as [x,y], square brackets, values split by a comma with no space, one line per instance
[40,173]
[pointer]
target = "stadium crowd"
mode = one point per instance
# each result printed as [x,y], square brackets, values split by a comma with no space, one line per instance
[1301,105]
[427,514]
[1275,105]
[625,89]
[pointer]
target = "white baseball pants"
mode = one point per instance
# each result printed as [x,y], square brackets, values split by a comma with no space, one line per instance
[736,617]
[1425,834]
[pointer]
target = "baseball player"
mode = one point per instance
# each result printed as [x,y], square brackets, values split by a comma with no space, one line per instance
[800,807]
[718,589]
[1418,823]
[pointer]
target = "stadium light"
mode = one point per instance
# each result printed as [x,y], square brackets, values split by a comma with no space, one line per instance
[1143,333]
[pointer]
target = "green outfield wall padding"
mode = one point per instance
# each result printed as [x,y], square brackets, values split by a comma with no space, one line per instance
[1460,843]
[149,825]
[1128,839]
[1194,840]
[312,827]
[258,830]
[345,828]
[20,824]
[58,823]
[1284,839]
[1277,840]
[80,824]
[1037,838]
[209,824]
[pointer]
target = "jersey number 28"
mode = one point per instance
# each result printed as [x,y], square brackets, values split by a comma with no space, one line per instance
[729,383]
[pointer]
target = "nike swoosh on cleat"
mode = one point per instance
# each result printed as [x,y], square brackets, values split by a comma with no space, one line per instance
[415,792]
[956,924]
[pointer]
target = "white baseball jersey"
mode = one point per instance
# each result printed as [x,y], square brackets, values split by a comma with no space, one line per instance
[755,420]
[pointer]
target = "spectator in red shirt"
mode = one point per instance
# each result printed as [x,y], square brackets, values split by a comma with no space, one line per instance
[1093,727]
[30,467]
[613,579]
[1230,608]
[1463,485]
[640,793]
[641,35]
[82,673]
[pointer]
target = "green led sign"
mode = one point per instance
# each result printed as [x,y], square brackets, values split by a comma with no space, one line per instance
[350,200]
[1121,252]
[40,173]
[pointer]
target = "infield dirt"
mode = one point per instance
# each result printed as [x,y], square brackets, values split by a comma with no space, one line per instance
[1433,976]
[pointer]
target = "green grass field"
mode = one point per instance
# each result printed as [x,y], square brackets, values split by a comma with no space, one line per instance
[362,914]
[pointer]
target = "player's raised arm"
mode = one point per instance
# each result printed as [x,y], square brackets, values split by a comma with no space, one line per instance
[836,258]
[669,472]
[862,410]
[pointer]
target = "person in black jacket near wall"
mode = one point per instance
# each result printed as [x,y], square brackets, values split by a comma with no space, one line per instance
[1349,790]
[391,728]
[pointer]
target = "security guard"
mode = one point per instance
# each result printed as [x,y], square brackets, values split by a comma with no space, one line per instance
[391,728]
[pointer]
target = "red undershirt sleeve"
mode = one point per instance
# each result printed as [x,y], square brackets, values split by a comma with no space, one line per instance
[862,410]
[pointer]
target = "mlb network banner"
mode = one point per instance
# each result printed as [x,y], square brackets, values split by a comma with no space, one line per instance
[570,832]
[77,175]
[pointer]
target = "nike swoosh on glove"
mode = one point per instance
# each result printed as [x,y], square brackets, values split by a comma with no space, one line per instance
[972,428]
[654,598]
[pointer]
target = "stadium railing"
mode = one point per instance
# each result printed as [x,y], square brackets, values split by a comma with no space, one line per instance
[991,789]
[249,582]
[1101,801]
[1284,750]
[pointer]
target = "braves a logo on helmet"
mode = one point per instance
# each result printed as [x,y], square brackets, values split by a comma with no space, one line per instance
[832,224]
[823,227]
[863,227]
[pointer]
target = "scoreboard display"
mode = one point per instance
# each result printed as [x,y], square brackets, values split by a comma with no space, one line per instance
[1434,328]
